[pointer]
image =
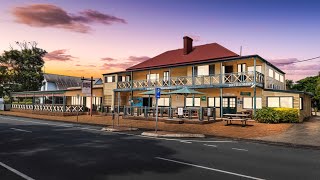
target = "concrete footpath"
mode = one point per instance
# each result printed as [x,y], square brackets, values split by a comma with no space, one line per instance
[306,133]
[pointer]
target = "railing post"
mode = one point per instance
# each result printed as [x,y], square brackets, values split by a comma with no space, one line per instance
[145,112]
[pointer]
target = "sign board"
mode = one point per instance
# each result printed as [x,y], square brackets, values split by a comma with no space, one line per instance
[245,93]
[180,111]
[158,93]
[86,87]
[203,98]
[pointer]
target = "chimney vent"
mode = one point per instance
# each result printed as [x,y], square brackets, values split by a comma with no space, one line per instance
[187,45]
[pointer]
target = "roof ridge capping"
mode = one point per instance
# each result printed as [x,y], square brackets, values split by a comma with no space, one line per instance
[187,54]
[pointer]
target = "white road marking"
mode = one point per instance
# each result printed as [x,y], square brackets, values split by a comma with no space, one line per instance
[211,145]
[168,139]
[186,142]
[239,149]
[16,129]
[16,171]
[208,168]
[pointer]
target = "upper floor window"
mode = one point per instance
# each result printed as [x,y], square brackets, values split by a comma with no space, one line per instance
[166,75]
[281,78]
[212,69]
[203,70]
[241,67]
[152,77]
[258,69]
[109,79]
[277,76]
[270,73]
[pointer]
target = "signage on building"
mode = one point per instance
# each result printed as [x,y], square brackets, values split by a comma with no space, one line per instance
[86,87]
[203,98]
[245,93]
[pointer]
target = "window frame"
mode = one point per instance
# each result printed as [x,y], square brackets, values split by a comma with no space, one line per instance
[279,99]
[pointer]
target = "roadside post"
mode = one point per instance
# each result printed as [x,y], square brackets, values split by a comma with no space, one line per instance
[157,94]
[87,85]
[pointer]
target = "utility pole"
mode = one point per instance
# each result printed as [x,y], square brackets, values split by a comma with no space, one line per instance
[91,95]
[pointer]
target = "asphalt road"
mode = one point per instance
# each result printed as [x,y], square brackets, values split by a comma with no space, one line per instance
[46,150]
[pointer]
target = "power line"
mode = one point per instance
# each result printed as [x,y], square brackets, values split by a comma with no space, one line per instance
[284,63]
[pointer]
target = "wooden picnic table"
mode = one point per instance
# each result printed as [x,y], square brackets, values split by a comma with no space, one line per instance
[236,117]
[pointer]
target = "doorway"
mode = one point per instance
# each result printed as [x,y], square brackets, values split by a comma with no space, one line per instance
[229,105]
[145,101]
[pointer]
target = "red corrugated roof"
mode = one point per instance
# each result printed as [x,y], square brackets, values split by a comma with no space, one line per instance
[176,57]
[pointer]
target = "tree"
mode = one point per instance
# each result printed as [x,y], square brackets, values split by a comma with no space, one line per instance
[22,69]
[289,83]
[310,84]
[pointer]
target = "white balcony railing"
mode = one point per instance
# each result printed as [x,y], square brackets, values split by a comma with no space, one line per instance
[241,78]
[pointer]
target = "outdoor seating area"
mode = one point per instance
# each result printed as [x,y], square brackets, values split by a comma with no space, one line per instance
[243,118]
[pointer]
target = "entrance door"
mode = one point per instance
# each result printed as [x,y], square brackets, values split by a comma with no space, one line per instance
[228,77]
[229,105]
[145,102]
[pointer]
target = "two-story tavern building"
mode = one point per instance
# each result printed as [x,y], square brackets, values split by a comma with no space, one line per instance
[229,82]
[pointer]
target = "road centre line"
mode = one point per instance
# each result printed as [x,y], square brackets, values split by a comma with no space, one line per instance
[16,171]
[208,168]
[239,149]
[186,142]
[211,145]
[16,129]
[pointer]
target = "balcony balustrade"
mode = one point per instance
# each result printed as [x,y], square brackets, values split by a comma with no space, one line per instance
[216,80]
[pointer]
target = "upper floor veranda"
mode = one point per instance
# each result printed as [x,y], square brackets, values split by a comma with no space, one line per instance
[242,71]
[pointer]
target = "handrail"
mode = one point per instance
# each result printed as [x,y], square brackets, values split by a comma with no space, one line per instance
[214,79]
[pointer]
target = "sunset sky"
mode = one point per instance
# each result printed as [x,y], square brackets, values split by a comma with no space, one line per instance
[85,38]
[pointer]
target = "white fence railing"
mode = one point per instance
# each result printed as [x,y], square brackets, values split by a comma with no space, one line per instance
[49,107]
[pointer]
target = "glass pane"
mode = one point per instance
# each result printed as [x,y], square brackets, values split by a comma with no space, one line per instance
[270,73]
[225,102]
[273,102]
[217,102]
[210,102]
[188,101]
[286,102]
[247,102]
[196,101]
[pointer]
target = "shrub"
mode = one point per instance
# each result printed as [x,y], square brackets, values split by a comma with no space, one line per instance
[267,115]
[288,115]
[277,115]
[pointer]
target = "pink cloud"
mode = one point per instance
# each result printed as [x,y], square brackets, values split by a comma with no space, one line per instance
[47,15]
[107,59]
[118,64]
[297,70]
[58,55]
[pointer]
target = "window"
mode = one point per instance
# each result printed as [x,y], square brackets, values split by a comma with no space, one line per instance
[286,102]
[301,103]
[241,67]
[166,75]
[189,101]
[120,78]
[248,102]
[110,79]
[217,101]
[270,73]
[210,102]
[258,69]
[212,69]
[281,78]
[152,77]
[128,78]
[163,102]
[203,70]
[273,102]
[277,76]
[214,102]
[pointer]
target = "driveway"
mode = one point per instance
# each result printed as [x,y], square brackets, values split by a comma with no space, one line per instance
[306,133]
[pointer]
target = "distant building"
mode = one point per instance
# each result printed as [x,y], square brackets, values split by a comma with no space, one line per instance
[53,82]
